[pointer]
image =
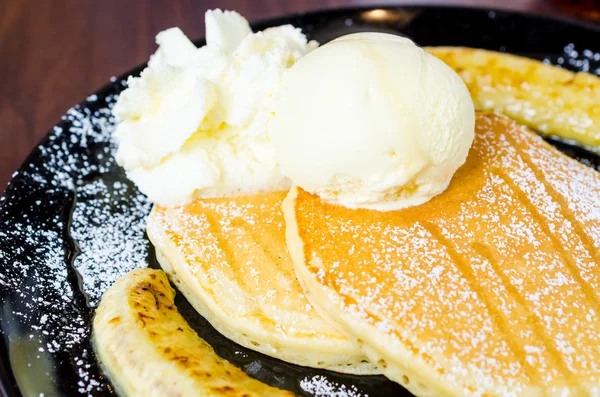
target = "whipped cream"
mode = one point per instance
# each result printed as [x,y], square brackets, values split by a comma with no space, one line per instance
[196,121]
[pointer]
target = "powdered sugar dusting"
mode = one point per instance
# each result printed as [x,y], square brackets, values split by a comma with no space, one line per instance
[320,386]
[499,292]
[581,60]
[73,172]
[235,253]
[256,274]
[108,225]
[52,279]
[74,181]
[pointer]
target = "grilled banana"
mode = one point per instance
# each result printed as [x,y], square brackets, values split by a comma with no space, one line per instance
[547,99]
[148,349]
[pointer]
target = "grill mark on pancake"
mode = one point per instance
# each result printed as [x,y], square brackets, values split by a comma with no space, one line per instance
[253,244]
[566,258]
[531,320]
[465,269]
[494,155]
[227,247]
[565,211]
[568,261]
[260,243]
[253,235]
[224,244]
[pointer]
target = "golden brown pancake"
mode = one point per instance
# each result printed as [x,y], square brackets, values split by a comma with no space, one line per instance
[228,256]
[489,289]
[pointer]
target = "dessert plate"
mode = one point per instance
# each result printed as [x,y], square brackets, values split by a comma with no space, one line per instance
[71,223]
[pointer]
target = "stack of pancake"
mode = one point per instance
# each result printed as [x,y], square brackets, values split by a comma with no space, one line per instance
[229,257]
[489,289]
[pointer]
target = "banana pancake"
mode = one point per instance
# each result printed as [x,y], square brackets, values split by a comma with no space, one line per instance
[489,289]
[228,256]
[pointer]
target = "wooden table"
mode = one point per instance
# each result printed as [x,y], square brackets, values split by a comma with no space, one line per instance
[55,53]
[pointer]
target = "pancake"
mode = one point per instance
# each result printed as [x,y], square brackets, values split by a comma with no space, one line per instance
[228,256]
[549,99]
[489,289]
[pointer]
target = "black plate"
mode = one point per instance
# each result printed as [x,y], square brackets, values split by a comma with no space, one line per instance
[71,223]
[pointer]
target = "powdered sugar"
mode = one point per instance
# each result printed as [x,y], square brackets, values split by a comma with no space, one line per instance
[52,279]
[320,386]
[581,60]
[505,258]
[73,172]
[73,185]
[108,225]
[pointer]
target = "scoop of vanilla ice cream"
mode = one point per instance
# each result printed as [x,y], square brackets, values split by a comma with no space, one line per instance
[196,121]
[371,120]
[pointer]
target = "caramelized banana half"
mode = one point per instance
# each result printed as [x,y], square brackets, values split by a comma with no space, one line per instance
[548,99]
[148,349]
